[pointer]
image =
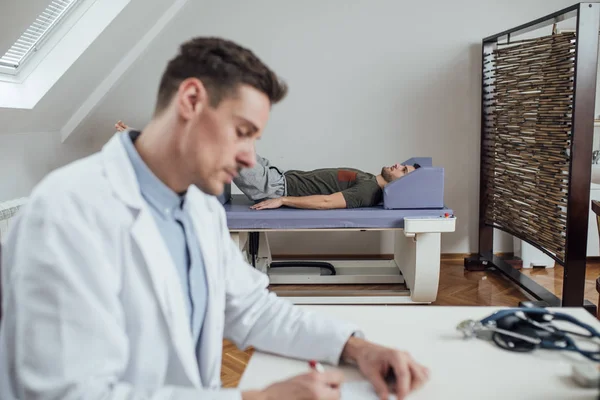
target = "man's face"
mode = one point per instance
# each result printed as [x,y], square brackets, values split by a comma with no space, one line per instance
[220,141]
[395,171]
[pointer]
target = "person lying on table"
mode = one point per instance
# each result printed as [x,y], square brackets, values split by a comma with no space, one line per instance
[324,188]
[119,276]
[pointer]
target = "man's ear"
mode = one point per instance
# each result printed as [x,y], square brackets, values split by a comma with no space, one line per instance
[192,98]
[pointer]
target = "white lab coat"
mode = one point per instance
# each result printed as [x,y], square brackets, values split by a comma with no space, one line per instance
[92,305]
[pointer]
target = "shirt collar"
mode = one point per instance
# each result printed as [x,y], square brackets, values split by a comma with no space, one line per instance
[162,198]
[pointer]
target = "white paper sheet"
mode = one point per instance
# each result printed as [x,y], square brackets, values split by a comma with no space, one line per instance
[360,390]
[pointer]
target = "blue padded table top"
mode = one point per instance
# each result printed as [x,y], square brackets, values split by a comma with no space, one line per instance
[241,217]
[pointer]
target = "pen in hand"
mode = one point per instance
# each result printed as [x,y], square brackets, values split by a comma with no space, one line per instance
[316,366]
[389,377]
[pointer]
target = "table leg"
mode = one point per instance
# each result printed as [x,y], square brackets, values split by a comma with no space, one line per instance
[418,258]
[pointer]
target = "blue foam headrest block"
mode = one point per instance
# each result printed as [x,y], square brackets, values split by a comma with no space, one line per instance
[422,188]
[225,197]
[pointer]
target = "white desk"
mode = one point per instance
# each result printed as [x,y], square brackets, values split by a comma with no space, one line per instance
[460,369]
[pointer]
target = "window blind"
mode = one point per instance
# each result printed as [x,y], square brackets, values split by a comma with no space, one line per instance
[29,42]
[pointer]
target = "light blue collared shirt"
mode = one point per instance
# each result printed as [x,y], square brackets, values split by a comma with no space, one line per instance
[179,235]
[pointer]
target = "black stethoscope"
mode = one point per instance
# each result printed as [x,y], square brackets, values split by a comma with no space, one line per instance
[527,329]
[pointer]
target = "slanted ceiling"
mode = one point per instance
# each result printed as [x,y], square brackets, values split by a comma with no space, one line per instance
[59,104]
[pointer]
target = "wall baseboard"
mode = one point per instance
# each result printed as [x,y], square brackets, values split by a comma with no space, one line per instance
[444,256]
[455,256]
[333,256]
[448,257]
[462,256]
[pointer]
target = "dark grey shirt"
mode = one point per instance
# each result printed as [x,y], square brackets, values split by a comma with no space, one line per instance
[360,189]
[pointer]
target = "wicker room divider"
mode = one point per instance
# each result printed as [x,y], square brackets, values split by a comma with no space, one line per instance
[537,121]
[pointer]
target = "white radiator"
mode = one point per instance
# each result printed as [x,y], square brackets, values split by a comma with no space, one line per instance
[8,209]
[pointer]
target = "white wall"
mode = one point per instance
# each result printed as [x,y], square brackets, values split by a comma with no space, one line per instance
[371,83]
[25,158]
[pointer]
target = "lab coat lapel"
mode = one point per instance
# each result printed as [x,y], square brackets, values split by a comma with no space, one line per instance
[204,220]
[168,290]
[155,255]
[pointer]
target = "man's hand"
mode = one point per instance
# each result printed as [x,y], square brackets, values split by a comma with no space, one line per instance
[310,386]
[271,203]
[375,362]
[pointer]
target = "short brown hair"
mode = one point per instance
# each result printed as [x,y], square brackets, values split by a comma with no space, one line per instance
[221,65]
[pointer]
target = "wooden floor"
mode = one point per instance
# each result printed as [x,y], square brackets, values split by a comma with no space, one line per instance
[457,288]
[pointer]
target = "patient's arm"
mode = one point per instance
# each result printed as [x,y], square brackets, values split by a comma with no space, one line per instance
[316,202]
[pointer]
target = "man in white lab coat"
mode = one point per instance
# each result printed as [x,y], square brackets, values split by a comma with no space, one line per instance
[119,276]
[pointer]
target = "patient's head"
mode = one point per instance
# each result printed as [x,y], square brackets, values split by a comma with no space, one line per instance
[397,171]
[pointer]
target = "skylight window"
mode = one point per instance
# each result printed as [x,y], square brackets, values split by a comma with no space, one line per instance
[35,35]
